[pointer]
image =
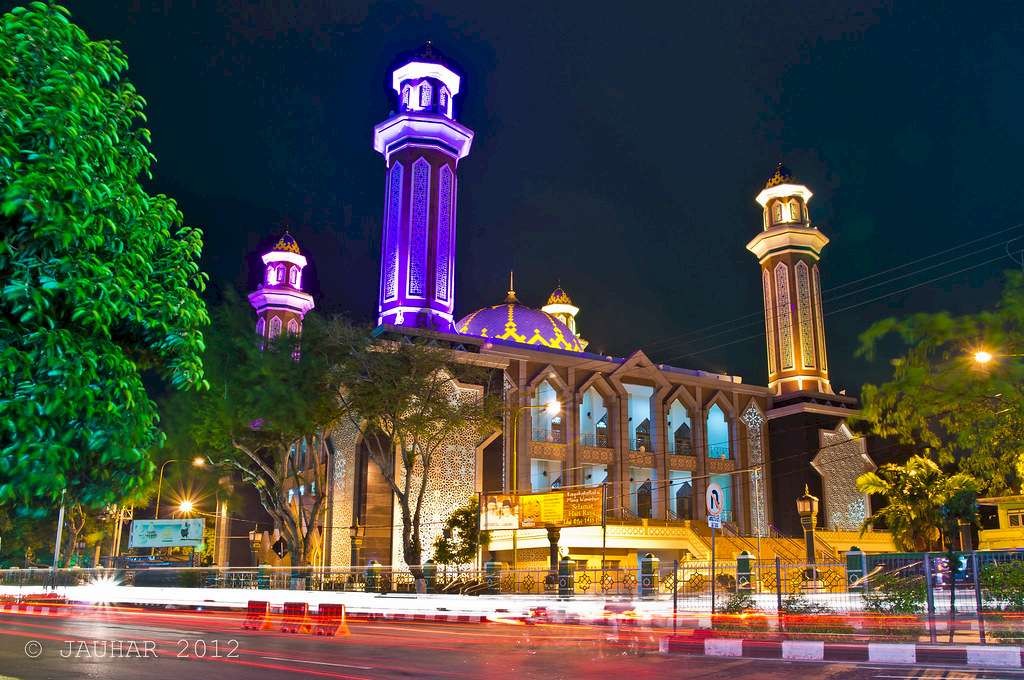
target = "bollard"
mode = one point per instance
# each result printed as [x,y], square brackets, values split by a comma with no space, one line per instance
[855,570]
[257,616]
[373,584]
[330,620]
[649,575]
[566,577]
[296,617]
[744,571]
[492,577]
[430,575]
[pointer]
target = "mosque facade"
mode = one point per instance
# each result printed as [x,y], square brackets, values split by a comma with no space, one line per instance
[653,436]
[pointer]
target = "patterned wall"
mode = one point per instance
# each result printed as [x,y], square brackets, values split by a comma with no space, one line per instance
[803,308]
[340,509]
[442,283]
[841,459]
[389,273]
[754,420]
[452,482]
[417,286]
[785,315]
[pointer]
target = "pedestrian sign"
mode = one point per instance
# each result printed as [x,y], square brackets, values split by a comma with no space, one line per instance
[714,499]
[714,521]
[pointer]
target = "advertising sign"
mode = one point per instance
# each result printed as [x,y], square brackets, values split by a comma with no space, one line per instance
[560,508]
[500,511]
[166,533]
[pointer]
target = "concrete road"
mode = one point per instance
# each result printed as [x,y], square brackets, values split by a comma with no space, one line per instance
[144,645]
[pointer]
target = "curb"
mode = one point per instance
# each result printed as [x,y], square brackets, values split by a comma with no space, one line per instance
[32,609]
[422,618]
[989,656]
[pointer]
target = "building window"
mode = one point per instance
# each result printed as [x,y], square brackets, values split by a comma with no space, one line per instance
[417,286]
[718,433]
[593,419]
[1015,518]
[425,95]
[776,212]
[293,276]
[444,99]
[389,267]
[271,275]
[275,326]
[680,431]
[681,494]
[405,96]
[293,327]
[261,327]
[794,211]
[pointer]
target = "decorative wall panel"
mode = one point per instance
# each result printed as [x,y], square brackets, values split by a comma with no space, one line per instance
[418,223]
[769,321]
[818,318]
[803,296]
[389,269]
[785,316]
[841,459]
[442,285]
[754,421]
[340,507]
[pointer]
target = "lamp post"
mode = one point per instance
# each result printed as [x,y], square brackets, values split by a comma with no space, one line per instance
[198,461]
[807,508]
[355,534]
[553,408]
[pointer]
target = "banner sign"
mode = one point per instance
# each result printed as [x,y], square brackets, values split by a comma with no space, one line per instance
[166,533]
[559,508]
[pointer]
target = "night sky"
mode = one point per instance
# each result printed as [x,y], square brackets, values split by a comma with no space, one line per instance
[618,148]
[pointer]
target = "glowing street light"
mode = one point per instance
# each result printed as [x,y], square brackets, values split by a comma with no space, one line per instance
[553,407]
[186,506]
[982,357]
[198,461]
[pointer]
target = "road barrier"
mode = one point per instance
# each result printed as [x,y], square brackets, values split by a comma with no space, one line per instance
[330,620]
[257,616]
[296,617]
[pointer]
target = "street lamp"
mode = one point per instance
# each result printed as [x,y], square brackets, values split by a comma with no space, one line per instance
[198,461]
[807,508]
[186,506]
[355,534]
[983,357]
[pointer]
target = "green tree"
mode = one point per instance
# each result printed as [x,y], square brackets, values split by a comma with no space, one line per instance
[408,399]
[942,400]
[461,536]
[100,279]
[923,502]
[267,401]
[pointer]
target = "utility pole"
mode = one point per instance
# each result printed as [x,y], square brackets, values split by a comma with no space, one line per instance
[56,544]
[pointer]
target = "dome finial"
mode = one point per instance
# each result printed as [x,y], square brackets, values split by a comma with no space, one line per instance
[510,297]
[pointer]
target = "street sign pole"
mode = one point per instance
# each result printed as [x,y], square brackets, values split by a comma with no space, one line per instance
[712,569]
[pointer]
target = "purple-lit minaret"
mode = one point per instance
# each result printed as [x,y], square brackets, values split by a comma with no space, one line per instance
[422,145]
[279,301]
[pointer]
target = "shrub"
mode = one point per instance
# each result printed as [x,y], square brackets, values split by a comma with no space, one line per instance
[798,604]
[892,594]
[739,602]
[1004,582]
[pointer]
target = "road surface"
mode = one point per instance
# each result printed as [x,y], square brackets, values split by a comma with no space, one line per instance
[149,645]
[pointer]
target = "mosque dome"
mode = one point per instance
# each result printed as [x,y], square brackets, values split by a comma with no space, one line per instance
[559,297]
[782,175]
[515,322]
[287,244]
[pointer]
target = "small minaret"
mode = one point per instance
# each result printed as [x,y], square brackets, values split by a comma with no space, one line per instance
[279,301]
[560,306]
[788,250]
[422,145]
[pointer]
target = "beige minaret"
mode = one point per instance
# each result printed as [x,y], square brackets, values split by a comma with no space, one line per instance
[788,251]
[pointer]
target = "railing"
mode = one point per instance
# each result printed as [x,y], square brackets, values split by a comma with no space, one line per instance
[635,443]
[719,451]
[599,439]
[681,448]
[546,435]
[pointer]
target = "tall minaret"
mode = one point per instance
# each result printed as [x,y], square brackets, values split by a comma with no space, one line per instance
[279,301]
[788,250]
[422,145]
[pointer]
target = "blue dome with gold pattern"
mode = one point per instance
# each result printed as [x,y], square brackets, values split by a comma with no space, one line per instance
[513,321]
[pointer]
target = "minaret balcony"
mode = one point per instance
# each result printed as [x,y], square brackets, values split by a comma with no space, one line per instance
[422,128]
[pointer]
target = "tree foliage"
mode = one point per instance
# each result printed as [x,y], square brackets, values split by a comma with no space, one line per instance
[266,398]
[461,536]
[924,502]
[100,279]
[941,400]
[406,398]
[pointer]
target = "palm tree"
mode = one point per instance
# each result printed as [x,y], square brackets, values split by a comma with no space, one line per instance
[923,504]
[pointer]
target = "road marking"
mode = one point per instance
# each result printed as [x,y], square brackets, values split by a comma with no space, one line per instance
[318,663]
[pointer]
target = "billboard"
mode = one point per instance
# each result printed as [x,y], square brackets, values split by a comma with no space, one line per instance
[166,533]
[559,508]
[499,511]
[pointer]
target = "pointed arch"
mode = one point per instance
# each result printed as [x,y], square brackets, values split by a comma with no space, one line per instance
[261,327]
[293,327]
[392,215]
[549,374]
[275,326]
[419,218]
[786,344]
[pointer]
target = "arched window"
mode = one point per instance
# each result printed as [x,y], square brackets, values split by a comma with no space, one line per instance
[280,274]
[275,327]
[293,275]
[444,99]
[405,96]
[643,435]
[643,500]
[680,439]
[271,275]
[426,92]
[718,434]
[684,501]
[261,327]
[293,327]
[776,212]
[794,210]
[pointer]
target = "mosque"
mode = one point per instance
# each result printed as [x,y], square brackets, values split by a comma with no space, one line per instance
[653,436]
